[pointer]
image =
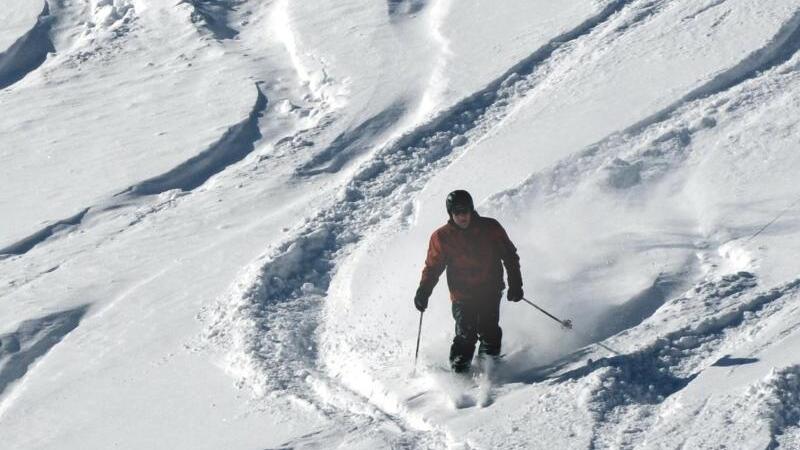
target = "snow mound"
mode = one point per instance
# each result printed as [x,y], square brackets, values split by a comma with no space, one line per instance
[28,52]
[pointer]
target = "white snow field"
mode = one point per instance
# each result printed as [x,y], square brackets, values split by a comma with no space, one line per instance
[215,214]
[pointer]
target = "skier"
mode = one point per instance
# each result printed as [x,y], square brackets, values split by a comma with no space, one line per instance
[471,248]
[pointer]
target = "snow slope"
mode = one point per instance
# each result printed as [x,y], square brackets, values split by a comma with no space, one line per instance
[216,214]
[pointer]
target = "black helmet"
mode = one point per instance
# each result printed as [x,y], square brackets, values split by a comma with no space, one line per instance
[459,201]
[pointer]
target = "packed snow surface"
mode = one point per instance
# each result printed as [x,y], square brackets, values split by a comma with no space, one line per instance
[215,214]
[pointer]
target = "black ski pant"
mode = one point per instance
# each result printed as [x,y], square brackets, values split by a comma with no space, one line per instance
[476,319]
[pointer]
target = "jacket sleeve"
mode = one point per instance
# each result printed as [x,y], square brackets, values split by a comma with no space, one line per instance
[508,253]
[435,263]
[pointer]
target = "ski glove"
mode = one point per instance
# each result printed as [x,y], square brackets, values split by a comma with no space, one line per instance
[420,301]
[515,294]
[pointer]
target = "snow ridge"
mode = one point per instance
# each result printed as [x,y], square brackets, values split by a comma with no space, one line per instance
[32,340]
[24,245]
[28,52]
[234,145]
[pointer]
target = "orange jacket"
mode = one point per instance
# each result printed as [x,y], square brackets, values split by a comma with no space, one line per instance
[472,258]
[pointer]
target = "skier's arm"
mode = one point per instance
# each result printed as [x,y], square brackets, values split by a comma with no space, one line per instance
[435,263]
[510,259]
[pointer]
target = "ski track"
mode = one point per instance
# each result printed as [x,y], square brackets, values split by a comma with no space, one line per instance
[624,377]
[677,357]
[432,97]
[623,392]
[279,279]
[363,414]
[649,152]
[280,285]
[236,143]
[352,143]
[198,169]
[705,8]
[640,156]
[28,52]
[648,149]
[268,320]
[777,51]
[322,89]
[623,384]
[642,305]
[640,16]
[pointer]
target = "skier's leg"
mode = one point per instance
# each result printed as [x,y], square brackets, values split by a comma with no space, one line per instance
[466,336]
[491,335]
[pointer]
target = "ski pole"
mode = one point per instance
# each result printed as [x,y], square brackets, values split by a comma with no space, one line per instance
[419,334]
[568,324]
[564,323]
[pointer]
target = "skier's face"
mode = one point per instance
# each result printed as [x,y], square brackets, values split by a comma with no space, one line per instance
[462,219]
